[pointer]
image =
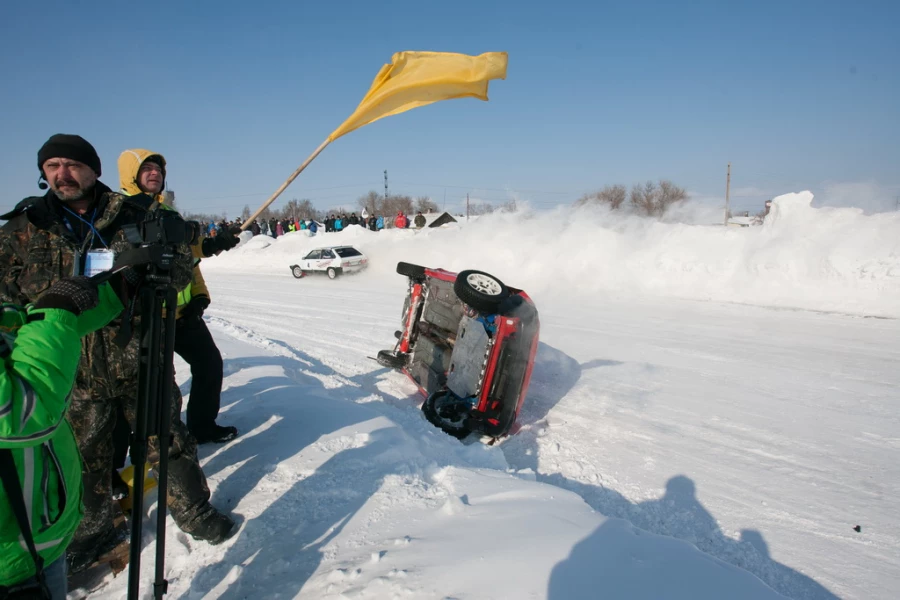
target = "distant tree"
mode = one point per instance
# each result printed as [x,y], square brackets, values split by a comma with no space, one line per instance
[266,214]
[670,194]
[643,198]
[425,204]
[206,217]
[612,195]
[373,202]
[652,200]
[649,199]
[291,209]
[481,208]
[306,210]
[245,214]
[508,207]
[394,204]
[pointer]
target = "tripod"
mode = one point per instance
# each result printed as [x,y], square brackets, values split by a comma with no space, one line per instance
[153,418]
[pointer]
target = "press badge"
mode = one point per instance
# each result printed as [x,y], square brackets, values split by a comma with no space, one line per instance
[98,261]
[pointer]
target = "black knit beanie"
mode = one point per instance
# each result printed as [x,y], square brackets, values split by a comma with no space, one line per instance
[73,147]
[156,159]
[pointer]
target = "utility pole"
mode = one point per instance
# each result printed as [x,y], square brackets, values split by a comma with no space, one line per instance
[385,186]
[727,194]
[467,207]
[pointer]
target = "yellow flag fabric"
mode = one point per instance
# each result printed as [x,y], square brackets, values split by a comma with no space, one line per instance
[415,79]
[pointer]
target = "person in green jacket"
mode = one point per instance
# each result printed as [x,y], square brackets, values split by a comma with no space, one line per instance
[41,347]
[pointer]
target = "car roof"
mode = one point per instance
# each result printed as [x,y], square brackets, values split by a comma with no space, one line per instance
[335,247]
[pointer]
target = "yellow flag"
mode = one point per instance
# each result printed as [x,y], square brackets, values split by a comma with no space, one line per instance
[415,79]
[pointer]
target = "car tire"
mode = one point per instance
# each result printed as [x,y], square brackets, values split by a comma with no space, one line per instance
[441,409]
[482,291]
[297,272]
[391,360]
[410,270]
[331,272]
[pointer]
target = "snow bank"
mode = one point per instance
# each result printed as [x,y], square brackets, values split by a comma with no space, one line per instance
[343,496]
[831,259]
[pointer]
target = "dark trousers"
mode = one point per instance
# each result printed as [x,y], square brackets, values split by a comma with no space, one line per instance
[94,420]
[194,343]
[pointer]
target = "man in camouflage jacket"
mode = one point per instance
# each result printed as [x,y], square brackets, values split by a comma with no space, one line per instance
[49,237]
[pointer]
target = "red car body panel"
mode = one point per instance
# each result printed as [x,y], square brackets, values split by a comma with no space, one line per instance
[509,364]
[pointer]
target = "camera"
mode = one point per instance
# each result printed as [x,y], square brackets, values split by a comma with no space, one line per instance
[166,227]
[154,240]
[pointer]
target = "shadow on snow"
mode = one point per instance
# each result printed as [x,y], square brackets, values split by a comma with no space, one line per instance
[678,513]
[286,539]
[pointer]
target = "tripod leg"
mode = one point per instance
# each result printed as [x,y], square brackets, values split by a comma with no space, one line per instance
[160,585]
[146,423]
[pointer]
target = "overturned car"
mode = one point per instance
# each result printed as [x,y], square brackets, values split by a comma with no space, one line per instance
[468,341]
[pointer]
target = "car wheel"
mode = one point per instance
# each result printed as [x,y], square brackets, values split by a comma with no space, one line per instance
[331,273]
[391,360]
[297,272]
[480,290]
[411,270]
[448,412]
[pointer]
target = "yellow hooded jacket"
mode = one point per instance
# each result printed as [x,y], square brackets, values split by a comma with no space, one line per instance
[130,162]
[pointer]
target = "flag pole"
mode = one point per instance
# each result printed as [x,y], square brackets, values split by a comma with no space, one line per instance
[284,185]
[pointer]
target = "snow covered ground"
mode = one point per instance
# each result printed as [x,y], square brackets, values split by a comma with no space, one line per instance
[712,412]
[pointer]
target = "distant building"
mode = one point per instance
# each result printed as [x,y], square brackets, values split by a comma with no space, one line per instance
[438,219]
[745,220]
[740,221]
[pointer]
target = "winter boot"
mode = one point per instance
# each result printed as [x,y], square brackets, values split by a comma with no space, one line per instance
[110,546]
[216,434]
[211,526]
[189,503]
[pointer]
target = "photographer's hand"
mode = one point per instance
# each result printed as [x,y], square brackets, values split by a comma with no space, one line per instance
[221,243]
[74,294]
[194,309]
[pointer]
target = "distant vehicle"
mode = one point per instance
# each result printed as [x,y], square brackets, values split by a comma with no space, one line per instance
[332,261]
[468,342]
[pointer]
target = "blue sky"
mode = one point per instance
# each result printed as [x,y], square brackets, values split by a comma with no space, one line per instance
[796,95]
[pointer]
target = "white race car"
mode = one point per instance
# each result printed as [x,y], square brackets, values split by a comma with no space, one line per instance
[332,261]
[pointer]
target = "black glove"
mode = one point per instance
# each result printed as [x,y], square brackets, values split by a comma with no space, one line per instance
[221,243]
[194,309]
[74,294]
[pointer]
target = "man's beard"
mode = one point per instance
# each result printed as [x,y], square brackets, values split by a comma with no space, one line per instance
[70,196]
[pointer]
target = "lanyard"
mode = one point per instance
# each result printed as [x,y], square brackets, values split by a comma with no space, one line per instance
[90,224]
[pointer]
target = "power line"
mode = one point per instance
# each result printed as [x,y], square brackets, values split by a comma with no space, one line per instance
[478,187]
[267,193]
[489,198]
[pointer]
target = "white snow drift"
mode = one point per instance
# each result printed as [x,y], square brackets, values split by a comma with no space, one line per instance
[668,448]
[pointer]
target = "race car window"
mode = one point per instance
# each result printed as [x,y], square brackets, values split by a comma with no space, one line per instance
[327,254]
[313,255]
[347,252]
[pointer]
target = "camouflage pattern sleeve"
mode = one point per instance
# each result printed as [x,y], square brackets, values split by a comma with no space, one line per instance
[11,265]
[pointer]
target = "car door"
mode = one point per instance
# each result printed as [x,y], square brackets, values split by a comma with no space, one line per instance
[308,260]
[327,259]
